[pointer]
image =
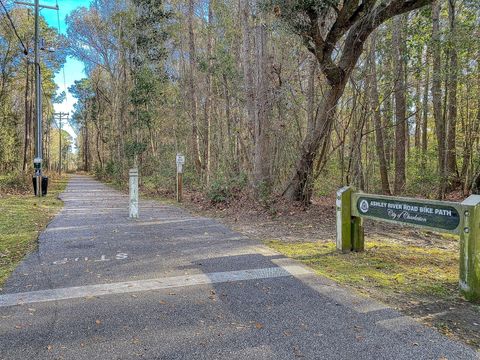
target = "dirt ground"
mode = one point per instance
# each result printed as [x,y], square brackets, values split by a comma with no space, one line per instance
[293,223]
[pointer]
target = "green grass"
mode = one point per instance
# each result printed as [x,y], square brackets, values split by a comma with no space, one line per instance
[21,219]
[388,268]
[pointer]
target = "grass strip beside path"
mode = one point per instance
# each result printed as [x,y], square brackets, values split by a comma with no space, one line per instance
[387,268]
[22,217]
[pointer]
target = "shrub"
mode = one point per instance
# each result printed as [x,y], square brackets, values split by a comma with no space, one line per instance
[99,172]
[112,170]
[164,180]
[15,183]
[224,190]
[422,174]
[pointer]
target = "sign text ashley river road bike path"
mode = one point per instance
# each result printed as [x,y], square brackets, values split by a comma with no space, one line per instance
[419,213]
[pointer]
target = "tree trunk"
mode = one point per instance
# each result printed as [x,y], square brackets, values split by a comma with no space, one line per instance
[47,142]
[451,161]
[425,108]
[437,96]
[400,103]
[299,187]
[247,65]
[355,172]
[261,163]
[375,108]
[208,100]
[27,120]
[418,114]
[311,94]
[388,125]
[86,150]
[97,142]
[230,137]
[192,93]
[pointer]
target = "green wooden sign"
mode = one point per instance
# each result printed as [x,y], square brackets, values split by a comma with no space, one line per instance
[420,213]
[442,216]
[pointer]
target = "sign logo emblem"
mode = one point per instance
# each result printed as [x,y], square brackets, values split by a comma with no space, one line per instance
[364,206]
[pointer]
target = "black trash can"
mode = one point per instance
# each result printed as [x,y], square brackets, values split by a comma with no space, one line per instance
[44,185]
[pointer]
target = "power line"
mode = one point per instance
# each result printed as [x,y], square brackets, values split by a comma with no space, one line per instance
[25,51]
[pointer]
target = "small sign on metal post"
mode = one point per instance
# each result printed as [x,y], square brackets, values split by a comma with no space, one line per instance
[180,160]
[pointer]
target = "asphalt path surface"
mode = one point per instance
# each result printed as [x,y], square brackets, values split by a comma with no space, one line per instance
[175,286]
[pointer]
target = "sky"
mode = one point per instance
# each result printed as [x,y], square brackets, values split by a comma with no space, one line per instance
[73,69]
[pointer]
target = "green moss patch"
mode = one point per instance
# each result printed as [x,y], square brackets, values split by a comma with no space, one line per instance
[385,267]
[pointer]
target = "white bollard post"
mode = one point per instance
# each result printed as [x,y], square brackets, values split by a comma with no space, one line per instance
[133,175]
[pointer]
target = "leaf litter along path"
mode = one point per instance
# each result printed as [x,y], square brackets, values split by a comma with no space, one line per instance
[175,286]
[412,270]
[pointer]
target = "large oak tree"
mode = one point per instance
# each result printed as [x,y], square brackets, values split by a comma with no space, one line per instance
[335,32]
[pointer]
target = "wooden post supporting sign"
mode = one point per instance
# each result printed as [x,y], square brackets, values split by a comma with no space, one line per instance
[470,249]
[349,228]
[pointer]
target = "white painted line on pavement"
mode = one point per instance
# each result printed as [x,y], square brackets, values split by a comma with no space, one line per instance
[129,224]
[148,285]
[89,209]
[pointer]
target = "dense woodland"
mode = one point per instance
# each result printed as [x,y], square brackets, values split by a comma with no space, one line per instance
[17,93]
[281,97]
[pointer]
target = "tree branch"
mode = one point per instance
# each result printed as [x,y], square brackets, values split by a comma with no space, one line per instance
[329,68]
[360,31]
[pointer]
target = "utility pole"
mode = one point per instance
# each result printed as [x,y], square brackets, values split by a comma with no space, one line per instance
[37,162]
[60,115]
[60,145]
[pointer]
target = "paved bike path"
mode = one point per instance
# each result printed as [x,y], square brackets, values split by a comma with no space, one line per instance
[175,286]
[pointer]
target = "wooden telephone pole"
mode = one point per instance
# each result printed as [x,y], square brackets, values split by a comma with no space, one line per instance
[60,115]
[37,162]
